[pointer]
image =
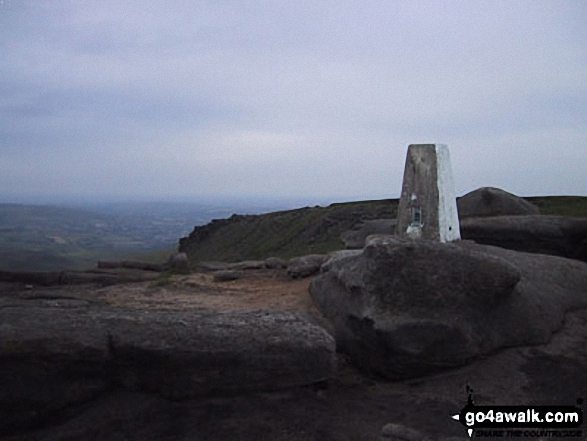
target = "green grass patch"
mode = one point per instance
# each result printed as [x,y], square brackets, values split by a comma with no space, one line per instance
[572,206]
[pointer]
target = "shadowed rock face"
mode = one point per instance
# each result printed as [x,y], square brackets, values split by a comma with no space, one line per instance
[489,201]
[406,308]
[556,235]
[52,357]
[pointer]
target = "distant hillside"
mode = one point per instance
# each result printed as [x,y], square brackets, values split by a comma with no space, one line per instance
[310,230]
[282,234]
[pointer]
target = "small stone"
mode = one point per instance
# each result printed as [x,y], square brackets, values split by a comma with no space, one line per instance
[227,275]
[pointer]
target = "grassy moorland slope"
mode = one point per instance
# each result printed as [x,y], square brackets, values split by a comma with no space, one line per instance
[282,234]
[572,206]
[310,230]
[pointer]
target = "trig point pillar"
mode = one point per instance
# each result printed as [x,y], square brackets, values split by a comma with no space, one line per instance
[428,206]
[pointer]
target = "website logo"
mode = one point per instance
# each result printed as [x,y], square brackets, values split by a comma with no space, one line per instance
[521,421]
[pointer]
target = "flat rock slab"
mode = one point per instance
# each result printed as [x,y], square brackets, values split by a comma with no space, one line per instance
[556,235]
[227,275]
[99,277]
[52,356]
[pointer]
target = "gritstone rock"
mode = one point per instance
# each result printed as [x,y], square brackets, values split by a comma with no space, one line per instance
[227,275]
[275,263]
[53,357]
[489,201]
[556,235]
[246,265]
[399,432]
[305,266]
[406,308]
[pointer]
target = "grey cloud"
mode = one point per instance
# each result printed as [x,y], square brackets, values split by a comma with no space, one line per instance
[295,98]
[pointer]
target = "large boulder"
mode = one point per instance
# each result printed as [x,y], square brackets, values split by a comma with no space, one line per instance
[556,235]
[489,201]
[65,352]
[406,308]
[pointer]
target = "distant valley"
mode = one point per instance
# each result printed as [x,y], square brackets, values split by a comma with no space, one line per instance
[50,237]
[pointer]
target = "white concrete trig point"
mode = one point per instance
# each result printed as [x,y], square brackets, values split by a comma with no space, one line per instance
[428,206]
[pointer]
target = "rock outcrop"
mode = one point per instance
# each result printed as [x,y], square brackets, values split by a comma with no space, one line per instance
[305,266]
[227,275]
[275,263]
[246,265]
[406,308]
[490,201]
[556,235]
[55,356]
[235,266]
[99,277]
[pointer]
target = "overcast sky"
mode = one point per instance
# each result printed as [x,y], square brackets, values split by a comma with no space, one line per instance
[308,99]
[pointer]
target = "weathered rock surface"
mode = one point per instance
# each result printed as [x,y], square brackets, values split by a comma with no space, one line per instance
[212,266]
[100,277]
[490,201]
[227,275]
[355,239]
[275,263]
[305,266]
[66,352]
[235,266]
[399,432]
[406,308]
[556,235]
[246,265]
[551,374]
[543,234]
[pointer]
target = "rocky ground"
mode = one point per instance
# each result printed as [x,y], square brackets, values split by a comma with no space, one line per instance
[350,406]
